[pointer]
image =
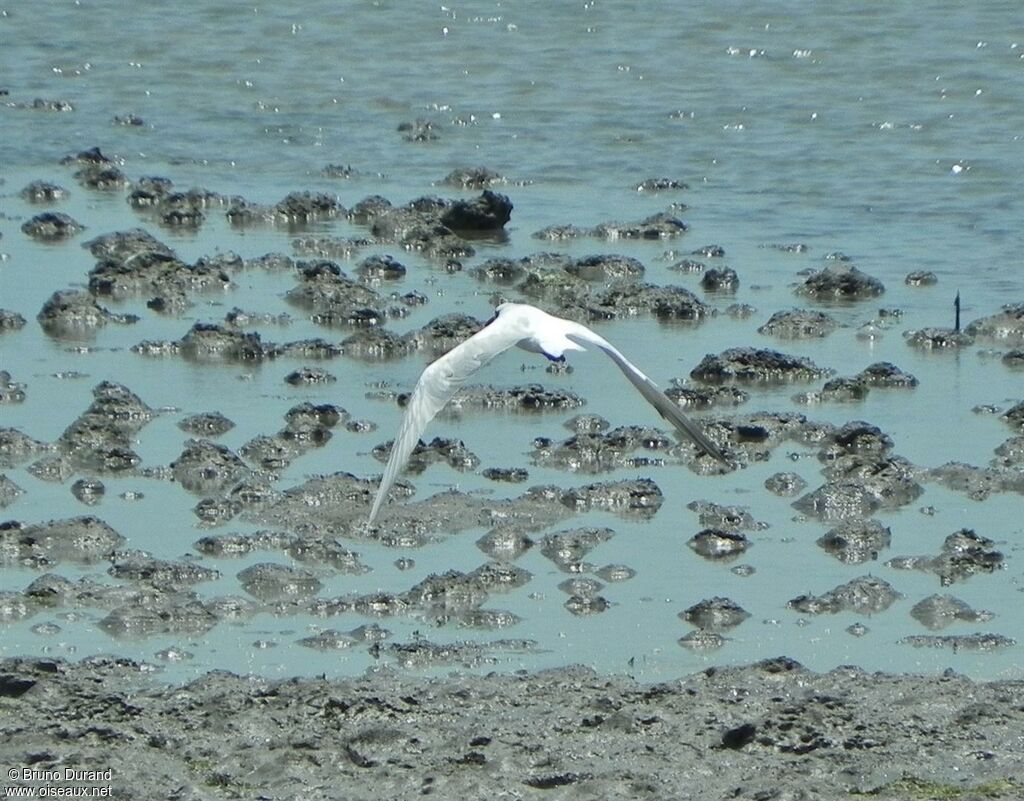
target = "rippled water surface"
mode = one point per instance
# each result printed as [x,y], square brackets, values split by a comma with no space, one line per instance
[891,134]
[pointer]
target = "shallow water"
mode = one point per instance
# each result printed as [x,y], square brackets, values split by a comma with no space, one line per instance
[893,135]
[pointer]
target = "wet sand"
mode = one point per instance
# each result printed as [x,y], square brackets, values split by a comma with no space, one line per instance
[772,730]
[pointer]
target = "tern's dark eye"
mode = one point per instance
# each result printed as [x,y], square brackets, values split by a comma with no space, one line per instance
[493,318]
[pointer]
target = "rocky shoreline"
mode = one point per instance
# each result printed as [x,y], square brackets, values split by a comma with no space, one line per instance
[772,730]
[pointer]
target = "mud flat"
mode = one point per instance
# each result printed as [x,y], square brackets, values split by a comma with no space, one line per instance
[772,730]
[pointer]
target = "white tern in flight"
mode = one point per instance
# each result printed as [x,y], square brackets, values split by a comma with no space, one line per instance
[531,329]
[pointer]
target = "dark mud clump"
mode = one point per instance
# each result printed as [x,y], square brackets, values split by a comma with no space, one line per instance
[52,226]
[269,581]
[938,338]
[307,426]
[921,278]
[731,517]
[886,375]
[862,475]
[587,424]
[11,391]
[327,640]
[78,539]
[835,390]
[71,312]
[657,226]
[799,324]
[1010,453]
[435,226]
[157,199]
[720,279]
[314,416]
[153,270]
[1015,417]
[839,500]
[684,265]
[10,321]
[702,640]
[841,282]
[89,491]
[43,192]
[376,344]
[206,424]
[719,544]
[567,549]
[978,483]
[660,185]
[207,468]
[587,604]
[489,212]
[939,611]
[505,543]
[456,596]
[16,447]
[240,318]
[381,268]
[209,342]
[101,177]
[237,545]
[706,397]
[101,438]
[297,208]
[186,616]
[309,376]
[715,614]
[605,268]
[641,497]
[92,155]
[418,130]
[755,365]
[335,300]
[866,595]
[122,246]
[528,398]
[839,735]
[665,303]
[856,541]
[1006,326]
[785,484]
[964,553]
[960,642]
[473,178]
[9,491]
[53,468]
[141,567]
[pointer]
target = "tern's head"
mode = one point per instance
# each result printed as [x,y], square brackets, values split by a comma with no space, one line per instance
[502,309]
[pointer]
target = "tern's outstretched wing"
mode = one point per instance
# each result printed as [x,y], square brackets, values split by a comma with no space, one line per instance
[651,391]
[436,386]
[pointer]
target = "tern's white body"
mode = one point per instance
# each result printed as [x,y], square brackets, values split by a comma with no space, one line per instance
[531,329]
